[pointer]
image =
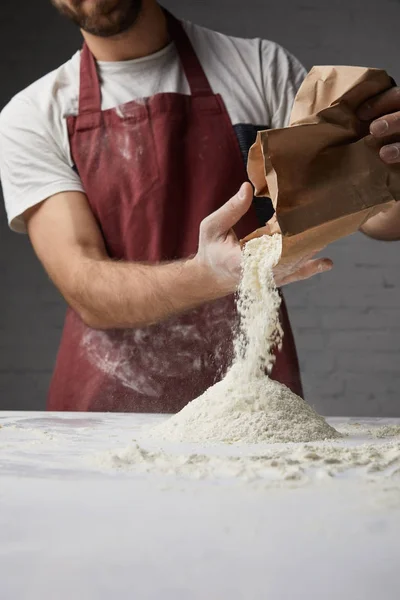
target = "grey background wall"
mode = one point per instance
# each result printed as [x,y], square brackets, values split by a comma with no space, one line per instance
[347,323]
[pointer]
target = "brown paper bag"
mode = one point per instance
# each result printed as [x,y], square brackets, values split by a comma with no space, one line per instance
[323,173]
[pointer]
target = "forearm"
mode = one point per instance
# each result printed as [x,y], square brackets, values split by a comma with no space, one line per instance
[115,294]
[385,225]
[112,294]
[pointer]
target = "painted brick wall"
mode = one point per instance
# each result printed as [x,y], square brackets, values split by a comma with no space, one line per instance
[347,323]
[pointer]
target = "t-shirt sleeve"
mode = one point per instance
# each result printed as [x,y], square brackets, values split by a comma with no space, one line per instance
[33,164]
[283,75]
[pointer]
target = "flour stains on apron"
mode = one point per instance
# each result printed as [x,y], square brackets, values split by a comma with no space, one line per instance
[142,358]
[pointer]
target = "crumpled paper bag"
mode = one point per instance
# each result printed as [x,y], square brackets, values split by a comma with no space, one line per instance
[323,173]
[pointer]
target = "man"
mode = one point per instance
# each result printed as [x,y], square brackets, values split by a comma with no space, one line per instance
[118,165]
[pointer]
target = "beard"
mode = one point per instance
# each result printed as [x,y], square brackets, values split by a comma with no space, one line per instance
[103,18]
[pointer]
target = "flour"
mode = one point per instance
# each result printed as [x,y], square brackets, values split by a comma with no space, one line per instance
[299,463]
[247,406]
[386,431]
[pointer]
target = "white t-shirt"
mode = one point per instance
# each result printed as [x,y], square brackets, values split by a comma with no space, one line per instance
[257,80]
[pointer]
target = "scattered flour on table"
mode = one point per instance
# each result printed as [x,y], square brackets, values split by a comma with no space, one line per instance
[386,431]
[247,406]
[288,463]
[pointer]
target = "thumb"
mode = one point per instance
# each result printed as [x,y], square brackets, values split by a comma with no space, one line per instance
[222,220]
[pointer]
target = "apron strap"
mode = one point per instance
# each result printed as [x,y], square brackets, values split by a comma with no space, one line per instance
[90,91]
[198,82]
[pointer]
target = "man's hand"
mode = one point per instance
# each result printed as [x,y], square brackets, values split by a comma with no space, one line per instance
[220,253]
[384,112]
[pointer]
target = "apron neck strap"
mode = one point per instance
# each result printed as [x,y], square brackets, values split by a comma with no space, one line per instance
[89,87]
[90,91]
[193,70]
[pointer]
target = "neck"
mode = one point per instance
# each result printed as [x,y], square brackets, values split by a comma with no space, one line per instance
[148,35]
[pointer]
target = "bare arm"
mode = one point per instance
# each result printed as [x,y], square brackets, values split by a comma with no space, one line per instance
[108,293]
[116,294]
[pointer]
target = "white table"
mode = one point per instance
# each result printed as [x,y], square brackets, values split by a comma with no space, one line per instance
[71,531]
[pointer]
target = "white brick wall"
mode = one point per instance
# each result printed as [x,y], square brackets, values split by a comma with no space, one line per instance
[347,327]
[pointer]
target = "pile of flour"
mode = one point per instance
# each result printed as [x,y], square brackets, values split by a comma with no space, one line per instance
[247,406]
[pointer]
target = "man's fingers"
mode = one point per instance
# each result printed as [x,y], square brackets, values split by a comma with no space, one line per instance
[307,270]
[379,105]
[219,223]
[384,111]
[390,154]
[386,126]
[293,267]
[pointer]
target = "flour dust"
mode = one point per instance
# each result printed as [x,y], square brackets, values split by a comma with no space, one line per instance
[247,406]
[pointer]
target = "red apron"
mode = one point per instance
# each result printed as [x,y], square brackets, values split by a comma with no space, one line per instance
[152,170]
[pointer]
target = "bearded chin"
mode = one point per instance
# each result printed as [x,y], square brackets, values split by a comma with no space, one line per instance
[106,20]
